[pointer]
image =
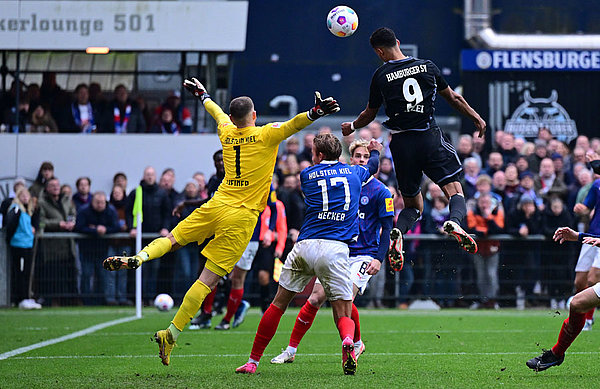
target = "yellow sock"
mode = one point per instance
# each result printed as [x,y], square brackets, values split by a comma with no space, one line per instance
[156,249]
[191,304]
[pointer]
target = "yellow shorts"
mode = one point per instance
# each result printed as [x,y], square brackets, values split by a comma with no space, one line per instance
[231,226]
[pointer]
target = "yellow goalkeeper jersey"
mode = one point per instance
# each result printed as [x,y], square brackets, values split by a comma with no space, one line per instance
[249,156]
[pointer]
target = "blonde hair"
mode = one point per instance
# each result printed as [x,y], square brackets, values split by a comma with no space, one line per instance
[356,144]
[29,207]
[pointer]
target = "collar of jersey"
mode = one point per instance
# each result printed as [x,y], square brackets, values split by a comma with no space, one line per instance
[401,60]
[328,162]
[369,180]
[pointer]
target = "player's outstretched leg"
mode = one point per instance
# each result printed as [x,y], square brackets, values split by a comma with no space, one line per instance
[155,249]
[571,327]
[395,252]
[304,320]
[191,304]
[265,332]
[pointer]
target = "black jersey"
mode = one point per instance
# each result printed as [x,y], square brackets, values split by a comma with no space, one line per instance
[407,88]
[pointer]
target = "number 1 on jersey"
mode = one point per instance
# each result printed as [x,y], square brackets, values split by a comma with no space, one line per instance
[238,168]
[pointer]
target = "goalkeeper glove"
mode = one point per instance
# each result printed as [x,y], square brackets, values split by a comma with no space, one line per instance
[323,107]
[196,88]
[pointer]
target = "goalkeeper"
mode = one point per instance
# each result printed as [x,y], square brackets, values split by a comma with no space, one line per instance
[249,155]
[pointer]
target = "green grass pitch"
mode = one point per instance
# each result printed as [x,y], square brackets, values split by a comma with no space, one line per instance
[446,349]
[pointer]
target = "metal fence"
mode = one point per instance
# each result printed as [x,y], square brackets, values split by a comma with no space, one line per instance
[68,270]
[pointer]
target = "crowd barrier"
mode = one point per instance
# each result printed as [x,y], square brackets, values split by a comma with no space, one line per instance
[68,271]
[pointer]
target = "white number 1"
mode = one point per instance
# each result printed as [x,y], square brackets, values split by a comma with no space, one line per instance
[334,181]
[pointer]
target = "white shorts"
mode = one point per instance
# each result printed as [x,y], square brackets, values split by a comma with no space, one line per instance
[596,288]
[358,272]
[245,262]
[326,259]
[589,257]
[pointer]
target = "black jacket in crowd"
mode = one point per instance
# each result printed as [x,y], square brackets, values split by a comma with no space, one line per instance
[155,207]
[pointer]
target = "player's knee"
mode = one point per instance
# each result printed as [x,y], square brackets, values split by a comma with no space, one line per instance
[263,277]
[579,304]
[316,299]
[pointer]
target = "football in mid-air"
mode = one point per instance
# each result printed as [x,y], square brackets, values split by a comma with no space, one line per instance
[342,21]
[163,302]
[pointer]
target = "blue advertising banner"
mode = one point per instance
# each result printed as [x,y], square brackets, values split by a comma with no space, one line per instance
[531,60]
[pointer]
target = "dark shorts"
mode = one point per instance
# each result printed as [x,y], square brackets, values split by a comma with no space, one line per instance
[264,258]
[418,152]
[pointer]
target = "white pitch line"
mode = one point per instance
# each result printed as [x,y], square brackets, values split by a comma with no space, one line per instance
[229,333]
[308,355]
[73,335]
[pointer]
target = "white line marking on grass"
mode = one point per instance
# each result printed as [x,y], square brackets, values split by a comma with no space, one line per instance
[226,333]
[77,334]
[303,354]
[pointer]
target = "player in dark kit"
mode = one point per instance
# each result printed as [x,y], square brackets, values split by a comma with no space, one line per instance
[407,88]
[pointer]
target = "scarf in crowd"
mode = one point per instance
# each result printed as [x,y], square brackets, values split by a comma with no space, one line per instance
[77,117]
[170,128]
[121,126]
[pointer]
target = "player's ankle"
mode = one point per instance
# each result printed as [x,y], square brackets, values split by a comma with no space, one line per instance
[143,256]
[291,350]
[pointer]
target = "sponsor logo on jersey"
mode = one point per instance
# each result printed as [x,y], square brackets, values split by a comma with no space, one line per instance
[389,205]
[276,125]
[364,200]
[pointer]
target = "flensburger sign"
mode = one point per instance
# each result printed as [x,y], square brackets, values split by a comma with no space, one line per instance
[531,60]
[124,25]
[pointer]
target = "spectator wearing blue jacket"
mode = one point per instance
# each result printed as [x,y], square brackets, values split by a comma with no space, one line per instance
[21,223]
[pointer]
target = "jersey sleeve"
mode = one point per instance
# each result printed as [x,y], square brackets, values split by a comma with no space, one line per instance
[592,196]
[217,113]
[362,172]
[385,203]
[275,133]
[439,79]
[375,96]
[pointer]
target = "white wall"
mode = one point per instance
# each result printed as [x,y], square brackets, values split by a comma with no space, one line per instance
[100,156]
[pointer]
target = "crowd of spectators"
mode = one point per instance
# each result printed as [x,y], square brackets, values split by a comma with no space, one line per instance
[88,109]
[512,186]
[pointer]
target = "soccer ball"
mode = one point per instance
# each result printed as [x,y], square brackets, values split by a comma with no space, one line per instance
[163,302]
[342,21]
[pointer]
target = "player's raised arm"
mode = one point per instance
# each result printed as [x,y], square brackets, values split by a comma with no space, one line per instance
[459,103]
[364,118]
[277,132]
[198,90]
[374,148]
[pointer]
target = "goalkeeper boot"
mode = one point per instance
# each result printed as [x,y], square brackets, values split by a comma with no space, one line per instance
[247,368]
[544,361]
[348,357]
[284,357]
[122,262]
[464,240]
[165,345]
[395,253]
